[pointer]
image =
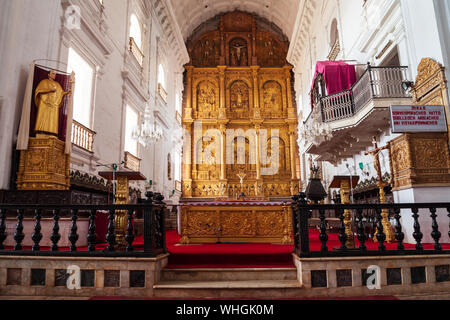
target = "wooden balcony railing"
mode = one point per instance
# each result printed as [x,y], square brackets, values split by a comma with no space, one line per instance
[132,162]
[137,53]
[82,136]
[375,83]
[334,51]
[162,92]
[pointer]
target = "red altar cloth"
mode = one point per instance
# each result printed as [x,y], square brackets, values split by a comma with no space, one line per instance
[338,76]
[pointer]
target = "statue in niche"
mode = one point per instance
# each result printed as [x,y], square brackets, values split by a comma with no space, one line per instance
[238,53]
[209,52]
[269,45]
[206,100]
[272,100]
[239,98]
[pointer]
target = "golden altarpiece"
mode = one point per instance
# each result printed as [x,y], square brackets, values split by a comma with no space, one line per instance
[238,109]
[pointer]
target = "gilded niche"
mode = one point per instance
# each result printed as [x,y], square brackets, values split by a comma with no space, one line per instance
[206,100]
[270,51]
[272,100]
[275,164]
[207,168]
[238,53]
[243,159]
[240,101]
[206,51]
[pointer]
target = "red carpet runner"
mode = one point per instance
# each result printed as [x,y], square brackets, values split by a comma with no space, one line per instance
[251,255]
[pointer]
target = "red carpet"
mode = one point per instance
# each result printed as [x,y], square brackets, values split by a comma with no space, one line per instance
[227,255]
[252,255]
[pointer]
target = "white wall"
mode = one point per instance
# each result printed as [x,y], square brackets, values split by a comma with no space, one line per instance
[32,30]
[25,35]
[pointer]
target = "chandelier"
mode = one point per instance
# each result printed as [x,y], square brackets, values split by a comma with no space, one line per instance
[316,131]
[149,132]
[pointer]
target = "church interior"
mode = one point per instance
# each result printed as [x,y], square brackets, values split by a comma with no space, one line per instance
[224,149]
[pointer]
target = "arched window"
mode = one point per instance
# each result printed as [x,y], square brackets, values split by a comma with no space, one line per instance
[135,31]
[162,76]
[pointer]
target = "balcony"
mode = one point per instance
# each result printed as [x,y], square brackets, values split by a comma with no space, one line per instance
[82,137]
[162,92]
[132,162]
[345,122]
[137,53]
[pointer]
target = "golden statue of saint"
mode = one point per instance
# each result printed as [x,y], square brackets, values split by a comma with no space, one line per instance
[49,96]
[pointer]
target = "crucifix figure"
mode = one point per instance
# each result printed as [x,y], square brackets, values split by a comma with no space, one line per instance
[387,228]
[241,175]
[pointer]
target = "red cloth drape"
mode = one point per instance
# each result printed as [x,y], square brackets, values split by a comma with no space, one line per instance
[338,76]
[64,80]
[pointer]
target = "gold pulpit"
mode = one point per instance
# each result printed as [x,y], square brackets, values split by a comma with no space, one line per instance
[123,179]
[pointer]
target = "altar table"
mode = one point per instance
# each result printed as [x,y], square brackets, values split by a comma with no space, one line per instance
[236,222]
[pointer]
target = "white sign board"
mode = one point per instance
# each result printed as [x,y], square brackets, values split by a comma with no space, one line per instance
[418,119]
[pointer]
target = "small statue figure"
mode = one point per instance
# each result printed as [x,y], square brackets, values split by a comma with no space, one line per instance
[241,175]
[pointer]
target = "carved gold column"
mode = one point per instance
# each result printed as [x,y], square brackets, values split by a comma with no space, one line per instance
[292,149]
[257,110]
[187,156]
[223,130]
[345,199]
[222,109]
[291,111]
[188,109]
[120,218]
[258,152]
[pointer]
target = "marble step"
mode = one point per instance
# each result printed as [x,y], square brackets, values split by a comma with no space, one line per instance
[244,289]
[247,274]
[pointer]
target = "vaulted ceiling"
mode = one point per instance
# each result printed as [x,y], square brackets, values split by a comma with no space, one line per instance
[191,13]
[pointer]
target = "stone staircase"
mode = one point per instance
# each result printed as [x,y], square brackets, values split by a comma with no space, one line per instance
[228,284]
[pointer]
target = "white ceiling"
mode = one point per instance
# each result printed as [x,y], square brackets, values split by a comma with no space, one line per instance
[191,13]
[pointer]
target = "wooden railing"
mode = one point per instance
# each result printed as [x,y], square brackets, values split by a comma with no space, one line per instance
[162,92]
[154,229]
[334,51]
[302,213]
[132,162]
[376,82]
[82,136]
[137,53]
